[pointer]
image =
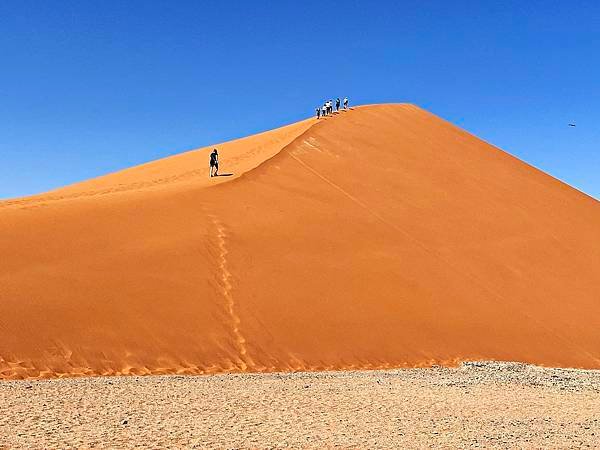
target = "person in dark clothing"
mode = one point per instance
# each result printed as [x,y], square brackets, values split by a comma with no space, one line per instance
[214,163]
[337,104]
[318,112]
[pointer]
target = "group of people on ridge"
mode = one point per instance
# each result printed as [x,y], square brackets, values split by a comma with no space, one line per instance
[327,107]
[322,111]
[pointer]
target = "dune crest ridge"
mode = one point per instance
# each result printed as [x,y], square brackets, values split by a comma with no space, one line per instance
[379,237]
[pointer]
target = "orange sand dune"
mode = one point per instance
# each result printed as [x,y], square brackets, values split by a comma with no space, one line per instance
[379,237]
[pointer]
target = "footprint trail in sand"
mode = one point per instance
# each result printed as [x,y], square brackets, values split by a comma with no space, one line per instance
[225,276]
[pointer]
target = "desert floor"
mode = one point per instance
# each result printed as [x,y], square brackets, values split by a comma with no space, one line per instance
[475,405]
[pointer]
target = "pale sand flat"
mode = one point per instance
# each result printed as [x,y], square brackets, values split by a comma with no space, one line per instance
[497,405]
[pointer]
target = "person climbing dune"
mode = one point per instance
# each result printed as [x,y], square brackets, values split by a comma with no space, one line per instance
[214,163]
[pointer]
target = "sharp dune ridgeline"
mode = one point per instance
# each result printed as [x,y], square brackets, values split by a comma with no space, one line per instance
[378,237]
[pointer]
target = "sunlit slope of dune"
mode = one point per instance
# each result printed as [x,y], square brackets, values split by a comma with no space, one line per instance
[379,237]
[242,155]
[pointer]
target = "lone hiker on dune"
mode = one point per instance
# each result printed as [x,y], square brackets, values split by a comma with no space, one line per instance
[214,163]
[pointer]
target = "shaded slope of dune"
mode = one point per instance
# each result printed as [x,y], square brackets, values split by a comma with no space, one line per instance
[380,237]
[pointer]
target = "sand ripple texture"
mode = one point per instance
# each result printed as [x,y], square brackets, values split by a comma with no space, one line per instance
[494,405]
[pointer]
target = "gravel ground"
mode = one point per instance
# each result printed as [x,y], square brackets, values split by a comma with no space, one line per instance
[476,405]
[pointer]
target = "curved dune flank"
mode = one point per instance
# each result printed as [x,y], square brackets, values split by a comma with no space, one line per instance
[379,237]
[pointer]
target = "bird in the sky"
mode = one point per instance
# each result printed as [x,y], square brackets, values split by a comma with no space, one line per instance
[572,125]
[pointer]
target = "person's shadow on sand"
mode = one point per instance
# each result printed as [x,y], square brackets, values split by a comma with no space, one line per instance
[223,175]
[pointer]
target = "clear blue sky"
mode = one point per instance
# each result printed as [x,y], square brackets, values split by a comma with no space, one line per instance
[89,87]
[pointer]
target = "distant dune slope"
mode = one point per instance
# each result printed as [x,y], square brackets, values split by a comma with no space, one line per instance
[379,237]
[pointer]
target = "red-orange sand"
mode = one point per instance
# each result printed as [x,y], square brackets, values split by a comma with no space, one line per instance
[379,237]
